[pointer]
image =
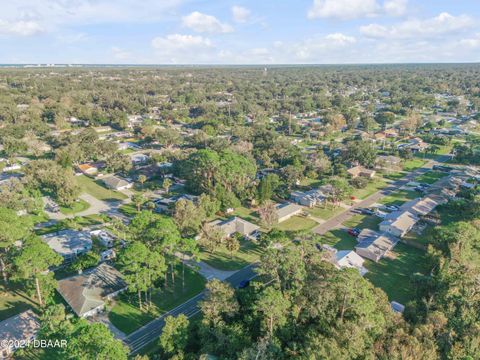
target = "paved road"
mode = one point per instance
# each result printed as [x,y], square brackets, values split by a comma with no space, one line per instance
[151,331]
[337,220]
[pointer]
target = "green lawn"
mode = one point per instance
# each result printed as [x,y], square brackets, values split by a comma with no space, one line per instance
[413,164]
[399,197]
[78,206]
[128,209]
[96,189]
[326,212]
[296,223]
[247,214]
[363,221]
[393,275]
[430,177]
[372,187]
[340,239]
[126,315]
[221,259]
[13,302]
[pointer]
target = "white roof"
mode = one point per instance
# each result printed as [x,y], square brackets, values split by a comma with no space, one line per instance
[349,259]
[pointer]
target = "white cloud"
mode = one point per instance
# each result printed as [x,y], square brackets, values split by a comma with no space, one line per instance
[340,39]
[395,7]
[354,9]
[204,23]
[49,14]
[473,42]
[240,14]
[20,28]
[442,24]
[175,42]
[120,54]
[343,9]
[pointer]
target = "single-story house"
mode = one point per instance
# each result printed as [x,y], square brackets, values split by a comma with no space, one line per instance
[287,210]
[17,329]
[423,206]
[398,223]
[309,198]
[138,159]
[350,259]
[388,162]
[359,170]
[104,237]
[87,293]
[69,243]
[116,183]
[417,145]
[237,225]
[373,245]
[88,169]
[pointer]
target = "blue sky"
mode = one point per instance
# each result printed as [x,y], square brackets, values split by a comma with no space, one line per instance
[239,32]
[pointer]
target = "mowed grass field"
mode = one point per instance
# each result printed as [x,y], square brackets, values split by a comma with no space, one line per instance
[97,190]
[221,259]
[394,275]
[127,316]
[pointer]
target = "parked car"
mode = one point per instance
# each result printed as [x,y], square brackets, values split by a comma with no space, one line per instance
[380,214]
[354,231]
[442,168]
[366,211]
[392,207]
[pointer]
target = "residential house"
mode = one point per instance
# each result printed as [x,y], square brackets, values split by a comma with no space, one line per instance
[104,237]
[417,145]
[16,330]
[69,243]
[388,162]
[116,183]
[239,226]
[359,170]
[139,159]
[398,223]
[350,259]
[287,210]
[87,293]
[423,206]
[309,198]
[373,245]
[88,169]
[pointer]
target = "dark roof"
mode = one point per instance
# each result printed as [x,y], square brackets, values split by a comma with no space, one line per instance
[87,291]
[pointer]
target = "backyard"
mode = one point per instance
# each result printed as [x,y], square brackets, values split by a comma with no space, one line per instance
[127,316]
[393,275]
[97,190]
[78,206]
[296,223]
[221,259]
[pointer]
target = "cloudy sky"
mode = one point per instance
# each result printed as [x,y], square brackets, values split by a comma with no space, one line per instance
[239,31]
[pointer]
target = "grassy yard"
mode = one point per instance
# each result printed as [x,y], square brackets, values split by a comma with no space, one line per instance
[371,188]
[97,190]
[430,177]
[413,164]
[363,221]
[399,197]
[13,302]
[340,239]
[126,315]
[296,223]
[222,260]
[78,206]
[247,214]
[393,275]
[326,212]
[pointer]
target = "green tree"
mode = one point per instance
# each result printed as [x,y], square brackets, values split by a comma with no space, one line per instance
[35,258]
[273,307]
[175,334]
[14,228]
[95,341]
